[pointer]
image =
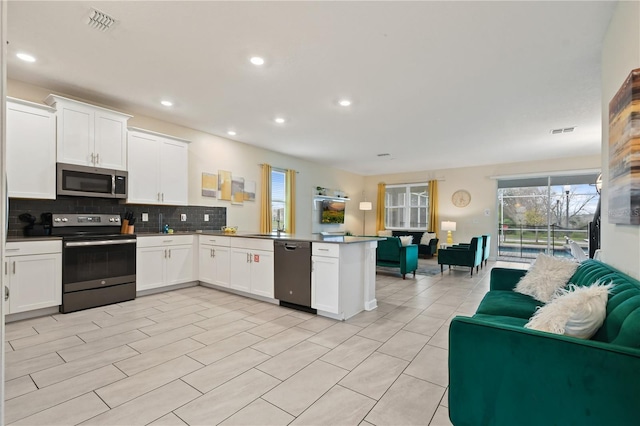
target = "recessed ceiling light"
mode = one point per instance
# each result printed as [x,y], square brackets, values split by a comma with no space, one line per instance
[231,133]
[26,57]
[257,60]
[166,103]
[279,120]
[344,102]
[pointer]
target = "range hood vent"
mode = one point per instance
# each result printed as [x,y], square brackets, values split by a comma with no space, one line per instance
[100,20]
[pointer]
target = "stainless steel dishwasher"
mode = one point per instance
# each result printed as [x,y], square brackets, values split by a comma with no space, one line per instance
[292,274]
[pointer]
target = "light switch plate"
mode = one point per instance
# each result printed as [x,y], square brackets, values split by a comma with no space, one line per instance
[206,217]
[145,217]
[183,217]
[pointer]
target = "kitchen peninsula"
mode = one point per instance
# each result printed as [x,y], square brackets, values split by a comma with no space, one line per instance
[342,268]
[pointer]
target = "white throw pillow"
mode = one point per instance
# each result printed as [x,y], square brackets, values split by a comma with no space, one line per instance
[406,240]
[545,277]
[577,312]
[426,238]
[386,233]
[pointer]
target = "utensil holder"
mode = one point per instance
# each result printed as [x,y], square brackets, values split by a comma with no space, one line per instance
[124,229]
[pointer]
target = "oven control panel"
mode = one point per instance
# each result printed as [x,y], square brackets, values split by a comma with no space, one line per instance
[70,219]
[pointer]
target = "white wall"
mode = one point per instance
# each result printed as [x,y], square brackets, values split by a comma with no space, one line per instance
[209,153]
[479,181]
[620,54]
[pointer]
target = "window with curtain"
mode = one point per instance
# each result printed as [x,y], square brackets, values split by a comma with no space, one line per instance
[278,198]
[407,206]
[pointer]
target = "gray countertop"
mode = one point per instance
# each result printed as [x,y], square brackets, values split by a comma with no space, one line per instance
[316,238]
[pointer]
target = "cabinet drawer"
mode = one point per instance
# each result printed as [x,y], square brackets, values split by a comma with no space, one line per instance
[32,247]
[215,240]
[164,240]
[326,250]
[252,243]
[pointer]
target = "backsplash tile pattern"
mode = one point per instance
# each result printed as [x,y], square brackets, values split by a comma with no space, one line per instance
[170,214]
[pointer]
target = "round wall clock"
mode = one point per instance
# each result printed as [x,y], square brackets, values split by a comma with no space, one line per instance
[461,198]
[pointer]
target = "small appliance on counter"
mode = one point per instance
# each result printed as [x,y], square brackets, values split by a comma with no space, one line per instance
[33,229]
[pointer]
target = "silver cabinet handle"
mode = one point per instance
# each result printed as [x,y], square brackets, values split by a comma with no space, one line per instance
[158,196]
[247,257]
[163,197]
[169,253]
[213,252]
[14,268]
[97,158]
[6,293]
[93,158]
[5,268]
[165,253]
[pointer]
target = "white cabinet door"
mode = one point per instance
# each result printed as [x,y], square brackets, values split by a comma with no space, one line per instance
[221,259]
[144,174]
[150,266]
[206,264]
[325,284]
[35,281]
[179,262]
[240,269]
[262,273]
[110,140]
[75,133]
[173,172]
[31,151]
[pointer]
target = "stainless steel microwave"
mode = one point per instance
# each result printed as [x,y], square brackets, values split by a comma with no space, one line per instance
[87,181]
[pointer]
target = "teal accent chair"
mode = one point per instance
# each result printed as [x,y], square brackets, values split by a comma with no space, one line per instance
[462,255]
[486,247]
[392,253]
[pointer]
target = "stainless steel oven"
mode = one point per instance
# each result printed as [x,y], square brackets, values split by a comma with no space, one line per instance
[98,263]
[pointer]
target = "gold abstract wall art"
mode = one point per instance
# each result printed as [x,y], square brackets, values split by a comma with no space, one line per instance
[224,185]
[237,190]
[209,185]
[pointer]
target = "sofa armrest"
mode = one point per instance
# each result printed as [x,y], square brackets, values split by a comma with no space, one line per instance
[505,278]
[508,375]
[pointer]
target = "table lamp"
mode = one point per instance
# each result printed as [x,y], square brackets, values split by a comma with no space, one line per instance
[364,206]
[448,226]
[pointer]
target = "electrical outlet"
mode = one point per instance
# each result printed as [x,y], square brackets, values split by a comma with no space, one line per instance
[145,217]
[206,217]
[183,217]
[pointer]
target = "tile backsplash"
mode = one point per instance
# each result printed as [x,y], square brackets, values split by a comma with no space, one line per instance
[170,214]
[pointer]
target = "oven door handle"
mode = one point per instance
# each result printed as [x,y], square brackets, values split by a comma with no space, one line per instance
[98,243]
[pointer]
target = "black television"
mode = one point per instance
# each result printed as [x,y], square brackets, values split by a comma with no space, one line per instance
[332,211]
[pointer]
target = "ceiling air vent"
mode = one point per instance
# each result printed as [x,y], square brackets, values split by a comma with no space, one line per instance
[384,155]
[563,130]
[100,20]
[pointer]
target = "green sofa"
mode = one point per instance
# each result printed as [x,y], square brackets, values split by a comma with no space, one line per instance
[462,255]
[501,373]
[392,253]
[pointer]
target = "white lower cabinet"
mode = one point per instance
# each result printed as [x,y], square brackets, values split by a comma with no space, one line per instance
[214,260]
[163,260]
[251,264]
[32,275]
[325,278]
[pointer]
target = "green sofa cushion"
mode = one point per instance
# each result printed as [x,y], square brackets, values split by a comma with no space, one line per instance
[503,320]
[508,303]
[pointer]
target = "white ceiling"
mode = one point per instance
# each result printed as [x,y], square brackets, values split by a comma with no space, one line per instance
[434,84]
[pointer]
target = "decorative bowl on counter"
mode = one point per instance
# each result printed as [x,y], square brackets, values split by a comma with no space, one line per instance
[229,229]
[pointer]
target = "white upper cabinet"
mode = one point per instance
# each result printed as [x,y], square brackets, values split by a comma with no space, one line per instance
[158,169]
[31,150]
[89,135]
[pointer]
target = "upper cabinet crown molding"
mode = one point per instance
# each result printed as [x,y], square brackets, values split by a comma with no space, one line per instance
[90,135]
[52,100]
[162,135]
[31,104]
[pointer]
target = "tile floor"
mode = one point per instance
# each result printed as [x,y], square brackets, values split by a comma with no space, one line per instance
[199,356]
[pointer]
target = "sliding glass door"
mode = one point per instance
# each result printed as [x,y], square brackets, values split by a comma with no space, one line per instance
[545,215]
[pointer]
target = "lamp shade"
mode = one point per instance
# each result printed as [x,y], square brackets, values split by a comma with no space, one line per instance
[448,226]
[365,205]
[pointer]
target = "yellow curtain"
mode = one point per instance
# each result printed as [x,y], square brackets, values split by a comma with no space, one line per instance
[380,207]
[433,206]
[265,201]
[290,199]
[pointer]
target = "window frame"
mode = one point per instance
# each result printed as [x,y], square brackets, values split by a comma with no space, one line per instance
[407,207]
[281,203]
